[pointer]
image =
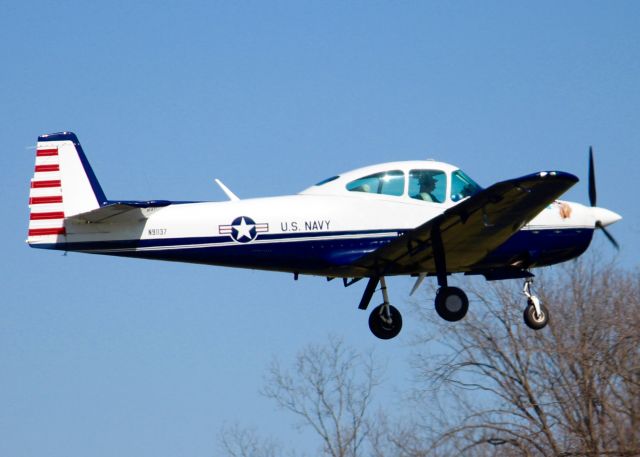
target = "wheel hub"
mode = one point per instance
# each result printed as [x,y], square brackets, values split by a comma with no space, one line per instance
[538,317]
[453,303]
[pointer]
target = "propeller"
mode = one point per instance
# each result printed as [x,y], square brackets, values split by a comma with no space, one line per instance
[592,179]
[603,216]
[608,235]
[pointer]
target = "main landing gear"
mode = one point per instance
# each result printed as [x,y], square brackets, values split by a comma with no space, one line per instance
[452,303]
[385,321]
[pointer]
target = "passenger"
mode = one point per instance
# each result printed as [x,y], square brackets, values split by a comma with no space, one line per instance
[427,186]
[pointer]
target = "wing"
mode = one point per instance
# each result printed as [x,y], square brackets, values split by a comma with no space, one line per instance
[467,232]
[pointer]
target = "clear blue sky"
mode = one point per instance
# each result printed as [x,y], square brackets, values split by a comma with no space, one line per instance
[104,356]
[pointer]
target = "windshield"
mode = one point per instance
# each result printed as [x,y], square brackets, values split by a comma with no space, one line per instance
[462,186]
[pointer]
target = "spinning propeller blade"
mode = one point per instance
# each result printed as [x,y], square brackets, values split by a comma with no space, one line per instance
[592,179]
[605,217]
[608,235]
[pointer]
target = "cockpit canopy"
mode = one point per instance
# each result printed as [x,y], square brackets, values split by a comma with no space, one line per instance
[429,181]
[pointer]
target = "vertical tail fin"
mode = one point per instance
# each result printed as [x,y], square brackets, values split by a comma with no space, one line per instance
[63,185]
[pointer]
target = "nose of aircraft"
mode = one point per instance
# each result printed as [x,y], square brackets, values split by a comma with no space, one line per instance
[605,216]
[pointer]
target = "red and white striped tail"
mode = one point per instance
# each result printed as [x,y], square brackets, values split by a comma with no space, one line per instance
[46,221]
[63,185]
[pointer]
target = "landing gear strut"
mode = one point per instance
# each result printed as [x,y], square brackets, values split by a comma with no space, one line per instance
[385,321]
[451,302]
[536,315]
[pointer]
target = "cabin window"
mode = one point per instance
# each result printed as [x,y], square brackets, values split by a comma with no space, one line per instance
[428,185]
[386,183]
[462,186]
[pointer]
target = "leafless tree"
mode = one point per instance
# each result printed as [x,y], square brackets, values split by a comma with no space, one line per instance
[330,389]
[237,441]
[571,389]
[488,384]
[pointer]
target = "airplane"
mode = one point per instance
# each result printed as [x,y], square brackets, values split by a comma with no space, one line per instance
[420,218]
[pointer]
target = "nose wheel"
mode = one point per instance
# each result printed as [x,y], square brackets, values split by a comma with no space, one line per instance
[536,315]
[385,321]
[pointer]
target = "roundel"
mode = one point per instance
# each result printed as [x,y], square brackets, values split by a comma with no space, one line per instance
[243,229]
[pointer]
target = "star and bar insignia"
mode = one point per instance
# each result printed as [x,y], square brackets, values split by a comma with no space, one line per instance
[243,229]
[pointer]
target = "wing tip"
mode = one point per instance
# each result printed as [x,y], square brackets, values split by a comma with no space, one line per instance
[561,175]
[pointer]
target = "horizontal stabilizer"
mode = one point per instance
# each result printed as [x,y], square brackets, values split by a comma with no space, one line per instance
[113,209]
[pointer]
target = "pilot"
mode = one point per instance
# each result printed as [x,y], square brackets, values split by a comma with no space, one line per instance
[426,187]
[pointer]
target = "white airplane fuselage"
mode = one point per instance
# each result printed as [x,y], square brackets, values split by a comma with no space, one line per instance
[306,233]
[401,218]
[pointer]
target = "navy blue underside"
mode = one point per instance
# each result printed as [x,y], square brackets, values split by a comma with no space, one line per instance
[539,248]
[286,252]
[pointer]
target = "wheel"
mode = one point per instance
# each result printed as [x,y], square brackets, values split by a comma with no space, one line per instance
[385,326]
[451,303]
[534,321]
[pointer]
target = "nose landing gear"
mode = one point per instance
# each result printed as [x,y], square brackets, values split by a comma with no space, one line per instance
[536,315]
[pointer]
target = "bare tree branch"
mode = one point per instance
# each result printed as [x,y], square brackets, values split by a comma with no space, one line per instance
[331,390]
[236,441]
[570,389]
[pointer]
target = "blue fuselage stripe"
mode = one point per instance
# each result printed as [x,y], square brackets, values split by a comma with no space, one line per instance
[311,252]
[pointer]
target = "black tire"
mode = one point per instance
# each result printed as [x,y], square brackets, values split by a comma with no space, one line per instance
[382,327]
[452,303]
[532,320]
